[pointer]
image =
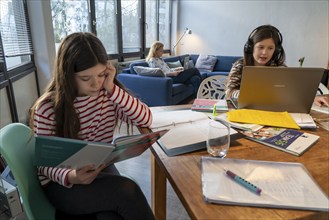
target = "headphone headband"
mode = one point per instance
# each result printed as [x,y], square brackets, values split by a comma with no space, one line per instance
[249,44]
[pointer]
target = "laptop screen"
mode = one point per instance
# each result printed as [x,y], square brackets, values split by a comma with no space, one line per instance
[186,62]
[289,89]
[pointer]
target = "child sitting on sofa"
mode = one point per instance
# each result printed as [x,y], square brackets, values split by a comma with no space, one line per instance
[179,75]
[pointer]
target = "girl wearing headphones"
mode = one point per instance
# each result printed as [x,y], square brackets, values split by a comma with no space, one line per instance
[263,48]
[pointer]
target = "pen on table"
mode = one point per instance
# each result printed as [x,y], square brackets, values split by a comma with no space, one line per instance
[214,113]
[243,182]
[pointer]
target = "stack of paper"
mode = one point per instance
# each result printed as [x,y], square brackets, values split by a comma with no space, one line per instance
[241,126]
[303,120]
[275,119]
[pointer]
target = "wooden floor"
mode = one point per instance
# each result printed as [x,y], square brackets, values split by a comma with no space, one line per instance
[139,169]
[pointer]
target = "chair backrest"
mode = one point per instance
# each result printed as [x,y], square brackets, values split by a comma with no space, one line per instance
[212,87]
[17,147]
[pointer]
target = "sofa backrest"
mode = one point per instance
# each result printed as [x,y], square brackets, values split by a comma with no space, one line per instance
[223,64]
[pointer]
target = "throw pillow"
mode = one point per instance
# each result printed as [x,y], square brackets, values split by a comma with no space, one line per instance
[206,63]
[174,64]
[148,71]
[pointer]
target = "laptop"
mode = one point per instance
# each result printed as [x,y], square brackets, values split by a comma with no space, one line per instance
[186,62]
[290,89]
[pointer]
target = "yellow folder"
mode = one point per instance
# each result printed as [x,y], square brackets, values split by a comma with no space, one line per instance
[267,118]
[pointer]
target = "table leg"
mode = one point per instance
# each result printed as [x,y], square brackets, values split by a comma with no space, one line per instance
[158,190]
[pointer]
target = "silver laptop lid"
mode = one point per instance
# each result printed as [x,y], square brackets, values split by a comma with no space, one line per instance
[289,89]
[186,62]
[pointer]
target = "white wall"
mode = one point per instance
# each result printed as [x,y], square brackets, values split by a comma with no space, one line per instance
[222,27]
[42,39]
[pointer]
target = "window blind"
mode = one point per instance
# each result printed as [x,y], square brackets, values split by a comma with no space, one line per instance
[14,28]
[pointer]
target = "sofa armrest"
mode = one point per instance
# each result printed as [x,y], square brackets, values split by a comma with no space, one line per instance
[153,91]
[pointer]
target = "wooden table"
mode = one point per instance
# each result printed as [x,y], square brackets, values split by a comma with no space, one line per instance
[184,174]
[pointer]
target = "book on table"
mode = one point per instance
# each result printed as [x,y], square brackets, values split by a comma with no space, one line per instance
[207,105]
[53,151]
[295,142]
[283,185]
[188,130]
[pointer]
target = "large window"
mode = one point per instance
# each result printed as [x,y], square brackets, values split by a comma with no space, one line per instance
[17,69]
[15,33]
[127,28]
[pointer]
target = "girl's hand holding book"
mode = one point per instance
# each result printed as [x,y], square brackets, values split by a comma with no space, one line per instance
[85,175]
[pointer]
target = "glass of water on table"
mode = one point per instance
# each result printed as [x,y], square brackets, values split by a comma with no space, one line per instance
[218,141]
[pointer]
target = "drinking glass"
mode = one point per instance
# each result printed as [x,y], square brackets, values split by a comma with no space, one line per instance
[218,141]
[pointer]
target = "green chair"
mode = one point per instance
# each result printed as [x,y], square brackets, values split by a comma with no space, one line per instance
[17,148]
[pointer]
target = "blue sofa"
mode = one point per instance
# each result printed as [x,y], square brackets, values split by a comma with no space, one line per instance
[161,91]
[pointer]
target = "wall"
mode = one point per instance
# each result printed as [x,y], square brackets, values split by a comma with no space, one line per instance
[42,39]
[222,27]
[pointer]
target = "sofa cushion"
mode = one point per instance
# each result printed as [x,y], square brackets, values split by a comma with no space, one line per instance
[137,63]
[148,71]
[206,63]
[178,88]
[174,64]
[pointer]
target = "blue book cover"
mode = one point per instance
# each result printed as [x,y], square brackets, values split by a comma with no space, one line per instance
[295,142]
[53,151]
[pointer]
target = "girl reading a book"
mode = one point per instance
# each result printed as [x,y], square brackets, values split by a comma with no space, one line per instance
[263,48]
[85,101]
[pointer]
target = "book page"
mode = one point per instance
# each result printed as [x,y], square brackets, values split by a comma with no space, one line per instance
[90,154]
[285,185]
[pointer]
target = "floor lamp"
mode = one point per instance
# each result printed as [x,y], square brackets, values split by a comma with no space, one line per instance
[187,31]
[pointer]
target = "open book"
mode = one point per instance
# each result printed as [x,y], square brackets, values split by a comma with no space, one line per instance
[188,130]
[283,185]
[53,151]
[288,140]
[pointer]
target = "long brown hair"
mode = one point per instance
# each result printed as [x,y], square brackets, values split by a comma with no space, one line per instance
[77,52]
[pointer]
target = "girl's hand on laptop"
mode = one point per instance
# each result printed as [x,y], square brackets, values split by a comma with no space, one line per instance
[321,100]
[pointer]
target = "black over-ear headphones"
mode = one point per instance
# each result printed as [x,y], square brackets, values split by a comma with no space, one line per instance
[248,47]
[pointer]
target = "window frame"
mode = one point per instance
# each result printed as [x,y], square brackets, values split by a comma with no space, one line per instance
[10,75]
[121,56]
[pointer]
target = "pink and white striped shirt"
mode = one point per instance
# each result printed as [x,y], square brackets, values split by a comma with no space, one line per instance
[98,116]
